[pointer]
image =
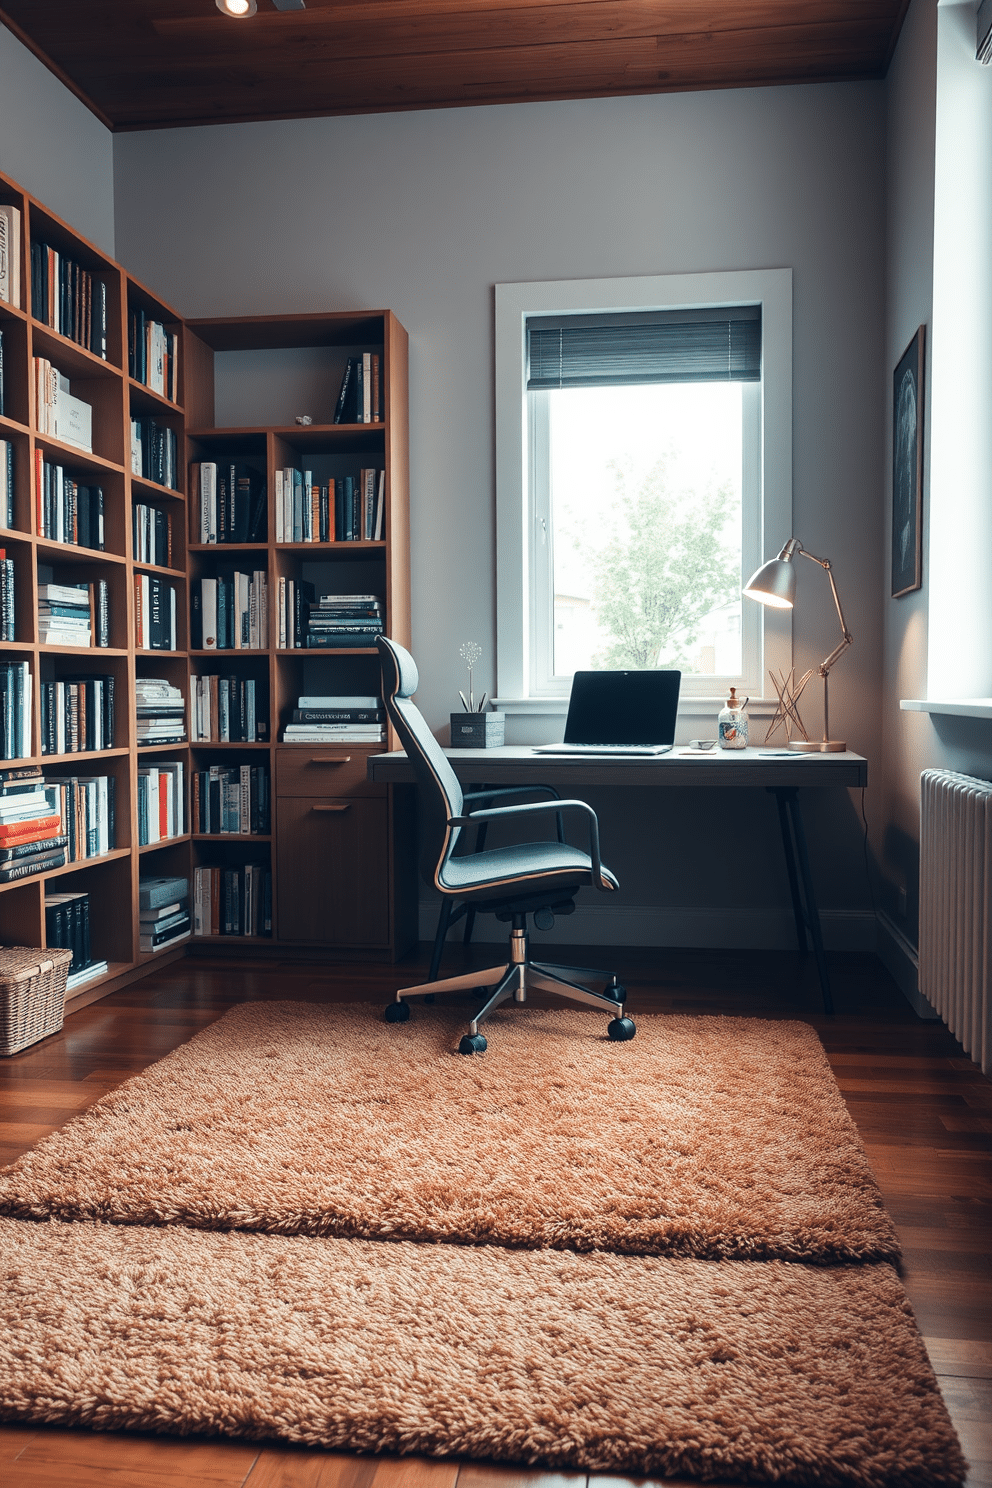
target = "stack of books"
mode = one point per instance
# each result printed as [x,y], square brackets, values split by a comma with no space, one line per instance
[60,414]
[31,836]
[68,298]
[161,800]
[65,510]
[155,613]
[153,354]
[232,800]
[85,806]
[228,710]
[231,501]
[77,714]
[160,712]
[340,720]
[67,926]
[163,912]
[15,709]
[232,901]
[230,612]
[155,452]
[7,610]
[152,535]
[66,613]
[7,453]
[344,620]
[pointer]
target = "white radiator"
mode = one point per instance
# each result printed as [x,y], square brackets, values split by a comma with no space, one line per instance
[956,906]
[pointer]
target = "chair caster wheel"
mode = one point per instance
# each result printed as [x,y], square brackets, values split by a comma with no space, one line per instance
[617,992]
[397,1012]
[472,1043]
[621,1029]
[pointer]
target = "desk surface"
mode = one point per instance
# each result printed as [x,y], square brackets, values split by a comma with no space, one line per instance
[516,764]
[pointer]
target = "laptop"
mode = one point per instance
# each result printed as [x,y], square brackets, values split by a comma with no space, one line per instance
[620,713]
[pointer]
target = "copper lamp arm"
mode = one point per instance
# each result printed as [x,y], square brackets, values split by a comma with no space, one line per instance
[838,650]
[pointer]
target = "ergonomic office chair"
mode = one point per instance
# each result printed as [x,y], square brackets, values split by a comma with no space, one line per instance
[529,878]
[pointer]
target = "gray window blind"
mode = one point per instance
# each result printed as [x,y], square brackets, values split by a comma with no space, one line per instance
[602,350]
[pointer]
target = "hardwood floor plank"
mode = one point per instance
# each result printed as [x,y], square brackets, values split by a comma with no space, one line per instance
[961,1357]
[298,1467]
[476,1475]
[13,1440]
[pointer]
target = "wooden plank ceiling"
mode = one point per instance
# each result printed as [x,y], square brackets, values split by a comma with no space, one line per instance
[143,64]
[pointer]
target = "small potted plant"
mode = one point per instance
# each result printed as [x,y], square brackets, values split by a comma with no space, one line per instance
[475,728]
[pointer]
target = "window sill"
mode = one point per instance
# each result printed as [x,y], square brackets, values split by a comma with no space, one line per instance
[955,708]
[689,707]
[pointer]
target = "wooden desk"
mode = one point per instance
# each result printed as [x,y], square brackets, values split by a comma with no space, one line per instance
[783,776]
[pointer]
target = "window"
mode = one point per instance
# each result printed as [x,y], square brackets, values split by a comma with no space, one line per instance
[643,468]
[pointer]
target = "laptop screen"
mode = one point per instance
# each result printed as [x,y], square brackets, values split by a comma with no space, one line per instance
[623,708]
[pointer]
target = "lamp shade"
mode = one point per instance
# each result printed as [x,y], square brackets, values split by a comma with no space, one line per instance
[774,584]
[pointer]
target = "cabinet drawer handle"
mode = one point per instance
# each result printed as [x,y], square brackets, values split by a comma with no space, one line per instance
[331,759]
[340,806]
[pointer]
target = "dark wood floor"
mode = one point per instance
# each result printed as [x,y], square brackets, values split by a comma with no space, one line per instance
[923,1110]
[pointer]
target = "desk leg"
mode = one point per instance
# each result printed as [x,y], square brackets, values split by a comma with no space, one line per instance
[804,905]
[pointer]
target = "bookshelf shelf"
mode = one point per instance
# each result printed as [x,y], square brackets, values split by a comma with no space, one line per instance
[363,852]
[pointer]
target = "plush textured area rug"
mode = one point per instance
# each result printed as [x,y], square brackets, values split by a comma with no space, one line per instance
[596,1361]
[709,1137]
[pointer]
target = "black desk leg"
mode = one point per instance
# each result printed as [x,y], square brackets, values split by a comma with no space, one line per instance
[804,905]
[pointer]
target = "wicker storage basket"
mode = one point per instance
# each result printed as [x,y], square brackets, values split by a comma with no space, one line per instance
[32,995]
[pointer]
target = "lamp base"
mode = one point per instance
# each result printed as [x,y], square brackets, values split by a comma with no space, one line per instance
[818,746]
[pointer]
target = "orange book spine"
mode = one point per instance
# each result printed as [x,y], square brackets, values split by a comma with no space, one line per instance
[31,830]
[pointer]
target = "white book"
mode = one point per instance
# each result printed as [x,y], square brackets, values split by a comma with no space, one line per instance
[10,254]
[366,387]
[208,601]
[65,594]
[136,457]
[280,521]
[73,418]
[380,508]
[208,502]
[173,632]
[281,606]
[341,701]
[308,506]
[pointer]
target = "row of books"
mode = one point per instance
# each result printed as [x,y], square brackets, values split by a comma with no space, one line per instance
[15,710]
[7,458]
[345,509]
[85,807]
[67,511]
[232,901]
[229,498]
[10,255]
[360,394]
[230,612]
[31,836]
[67,927]
[151,533]
[228,710]
[153,354]
[344,620]
[155,452]
[156,615]
[74,614]
[69,298]
[341,719]
[163,912]
[159,712]
[232,799]
[7,596]
[59,414]
[161,801]
[77,715]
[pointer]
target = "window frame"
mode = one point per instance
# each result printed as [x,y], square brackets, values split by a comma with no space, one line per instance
[767,633]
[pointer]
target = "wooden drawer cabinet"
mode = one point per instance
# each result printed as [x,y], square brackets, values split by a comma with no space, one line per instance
[333,871]
[313,770]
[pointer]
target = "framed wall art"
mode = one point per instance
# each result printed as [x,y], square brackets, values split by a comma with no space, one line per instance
[907,468]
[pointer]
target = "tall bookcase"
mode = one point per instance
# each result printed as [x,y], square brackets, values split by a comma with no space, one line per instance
[339,849]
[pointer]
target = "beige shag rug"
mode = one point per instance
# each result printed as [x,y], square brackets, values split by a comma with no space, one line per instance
[592,1361]
[709,1137]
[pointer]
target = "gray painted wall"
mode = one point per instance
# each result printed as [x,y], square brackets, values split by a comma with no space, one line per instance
[53,146]
[912,742]
[424,213]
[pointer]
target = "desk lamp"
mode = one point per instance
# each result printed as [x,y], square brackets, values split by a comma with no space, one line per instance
[775,584]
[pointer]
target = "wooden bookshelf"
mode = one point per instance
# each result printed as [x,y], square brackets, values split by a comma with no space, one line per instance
[339,849]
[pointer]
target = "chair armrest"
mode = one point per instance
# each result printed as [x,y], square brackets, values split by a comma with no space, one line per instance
[532,808]
[517,790]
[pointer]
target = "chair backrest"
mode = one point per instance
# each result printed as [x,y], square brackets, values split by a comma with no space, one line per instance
[438,780]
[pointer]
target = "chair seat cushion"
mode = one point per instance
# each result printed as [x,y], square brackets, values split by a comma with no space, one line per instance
[525,866]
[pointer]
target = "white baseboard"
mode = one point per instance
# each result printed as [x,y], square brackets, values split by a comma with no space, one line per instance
[898,955]
[647,925]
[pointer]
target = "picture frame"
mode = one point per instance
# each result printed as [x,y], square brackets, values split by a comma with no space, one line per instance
[907,467]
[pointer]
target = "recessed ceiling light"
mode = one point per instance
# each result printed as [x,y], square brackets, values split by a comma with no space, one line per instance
[239,9]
